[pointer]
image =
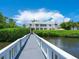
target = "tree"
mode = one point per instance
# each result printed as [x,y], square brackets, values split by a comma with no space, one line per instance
[11,23]
[24,25]
[2,18]
[2,21]
[6,22]
[67,25]
[77,24]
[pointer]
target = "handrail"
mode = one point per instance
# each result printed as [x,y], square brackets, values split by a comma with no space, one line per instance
[12,50]
[51,51]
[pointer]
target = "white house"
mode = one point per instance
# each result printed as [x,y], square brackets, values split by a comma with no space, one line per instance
[43,25]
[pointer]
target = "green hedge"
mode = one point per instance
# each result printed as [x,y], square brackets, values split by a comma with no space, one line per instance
[11,34]
[57,33]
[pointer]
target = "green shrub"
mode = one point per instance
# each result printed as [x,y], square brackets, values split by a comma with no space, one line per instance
[11,34]
[58,33]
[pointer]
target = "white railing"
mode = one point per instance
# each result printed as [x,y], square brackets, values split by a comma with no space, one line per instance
[51,51]
[12,50]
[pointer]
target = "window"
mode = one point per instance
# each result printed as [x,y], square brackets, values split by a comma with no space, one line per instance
[41,28]
[42,24]
[37,24]
[50,25]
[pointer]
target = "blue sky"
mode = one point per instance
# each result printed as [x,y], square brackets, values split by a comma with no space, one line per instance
[69,8]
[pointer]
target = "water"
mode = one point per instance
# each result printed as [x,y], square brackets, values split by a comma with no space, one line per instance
[70,45]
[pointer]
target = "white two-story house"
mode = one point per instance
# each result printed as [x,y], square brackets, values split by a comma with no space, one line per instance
[43,25]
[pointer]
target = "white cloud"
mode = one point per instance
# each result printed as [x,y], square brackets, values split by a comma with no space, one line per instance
[66,19]
[40,15]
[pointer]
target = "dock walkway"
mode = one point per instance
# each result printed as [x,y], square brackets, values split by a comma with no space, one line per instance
[32,50]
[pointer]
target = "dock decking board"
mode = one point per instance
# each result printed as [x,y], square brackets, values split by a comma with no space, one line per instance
[31,50]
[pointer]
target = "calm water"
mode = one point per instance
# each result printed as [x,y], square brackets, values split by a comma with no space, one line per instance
[70,45]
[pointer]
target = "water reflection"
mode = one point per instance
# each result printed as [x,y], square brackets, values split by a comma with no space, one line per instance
[70,45]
